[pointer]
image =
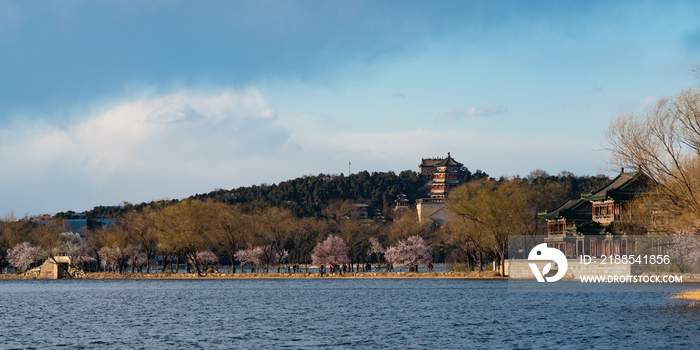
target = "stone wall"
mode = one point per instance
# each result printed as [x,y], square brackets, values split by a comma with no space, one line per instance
[519,268]
[432,211]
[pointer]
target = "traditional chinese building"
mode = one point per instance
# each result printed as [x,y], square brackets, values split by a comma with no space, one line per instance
[401,202]
[447,175]
[584,226]
[427,165]
[612,202]
[567,225]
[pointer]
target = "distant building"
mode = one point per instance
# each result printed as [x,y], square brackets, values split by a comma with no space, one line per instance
[427,165]
[365,212]
[401,202]
[78,226]
[76,223]
[447,175]
[46,221]
[105,223]
[360,211]
[432,210]
[583,226]
[612,202]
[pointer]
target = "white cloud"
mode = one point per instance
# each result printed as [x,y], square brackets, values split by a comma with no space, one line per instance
[472,111]
[383,150]
[179,141]
[636,106]
[647,101]
[168,129]
[191,142]
[172,112]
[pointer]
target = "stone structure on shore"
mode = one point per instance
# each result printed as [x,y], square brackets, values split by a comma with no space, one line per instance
[53,268]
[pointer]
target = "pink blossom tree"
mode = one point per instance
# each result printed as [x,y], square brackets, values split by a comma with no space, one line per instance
[113,258]
[376,248]
[280,258]
[685,250]
[409,253]
[248,257]
[261,257]
[72,245]
[137,257]
[23,255]
[269,257]
[332,251]
[205,258]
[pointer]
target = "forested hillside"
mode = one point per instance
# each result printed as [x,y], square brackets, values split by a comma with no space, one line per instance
[289,218]
[307,196]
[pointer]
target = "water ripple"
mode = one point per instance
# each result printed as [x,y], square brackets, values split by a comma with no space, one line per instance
[333,314]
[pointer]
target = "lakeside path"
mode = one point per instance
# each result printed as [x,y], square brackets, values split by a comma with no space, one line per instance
[275,275]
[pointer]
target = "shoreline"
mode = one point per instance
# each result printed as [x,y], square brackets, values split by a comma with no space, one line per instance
[275,275]
[693,294]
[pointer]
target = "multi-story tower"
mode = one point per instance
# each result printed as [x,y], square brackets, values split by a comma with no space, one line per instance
[448,174]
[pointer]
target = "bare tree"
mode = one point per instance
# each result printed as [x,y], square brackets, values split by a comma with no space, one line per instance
[112,252]
[229,230]
[185,228]
[274,227]
[470,237]
[141,230]
[306,234]
[353,232]
[497,210]
[405,225]
[664,143]
[48,238]
[4,239]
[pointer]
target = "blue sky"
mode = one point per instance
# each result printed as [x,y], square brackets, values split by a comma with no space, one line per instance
[104,102]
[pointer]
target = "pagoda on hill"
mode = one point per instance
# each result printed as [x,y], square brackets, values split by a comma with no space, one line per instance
[448,174]
[401,202]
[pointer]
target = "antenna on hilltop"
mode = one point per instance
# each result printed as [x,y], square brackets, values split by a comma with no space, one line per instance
[349,171]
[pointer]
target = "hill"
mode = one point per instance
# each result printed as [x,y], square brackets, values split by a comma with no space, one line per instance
[308,195]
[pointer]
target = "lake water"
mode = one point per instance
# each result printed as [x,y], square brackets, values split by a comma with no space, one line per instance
[335,314]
